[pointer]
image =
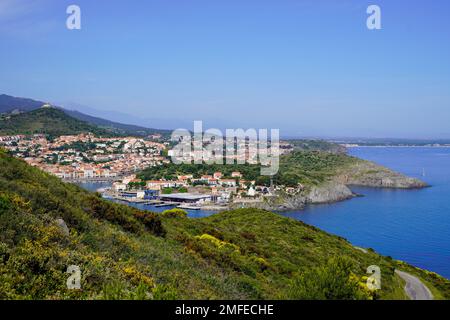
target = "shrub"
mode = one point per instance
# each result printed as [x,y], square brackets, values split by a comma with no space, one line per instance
[114,214]
[333,281]
[219,243]
[5,204]
[248,235]
[165,292]
[151,222]
[174,213]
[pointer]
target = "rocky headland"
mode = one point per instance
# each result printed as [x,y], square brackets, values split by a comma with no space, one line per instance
[338,188]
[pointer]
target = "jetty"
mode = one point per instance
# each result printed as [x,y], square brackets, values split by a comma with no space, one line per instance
[185,207]
[132,200]
[166,204]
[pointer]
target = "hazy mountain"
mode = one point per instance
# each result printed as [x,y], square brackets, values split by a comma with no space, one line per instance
[120,128]
[47,120]
[10,104]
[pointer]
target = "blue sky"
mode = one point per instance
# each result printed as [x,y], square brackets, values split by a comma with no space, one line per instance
[310,68]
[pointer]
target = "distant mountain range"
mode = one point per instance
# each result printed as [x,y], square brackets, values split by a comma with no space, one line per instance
[10,104]
[19,115]
[50,121]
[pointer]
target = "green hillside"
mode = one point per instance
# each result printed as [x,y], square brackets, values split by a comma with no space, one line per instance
[49,121]
[316,145]
[307,167]
[125,253]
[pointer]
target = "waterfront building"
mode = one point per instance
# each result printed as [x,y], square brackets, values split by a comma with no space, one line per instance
[189,198]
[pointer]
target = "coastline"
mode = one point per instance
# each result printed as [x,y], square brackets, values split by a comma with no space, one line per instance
[338,188]
[390,146]
[362,173]
[347,219]
[92,180]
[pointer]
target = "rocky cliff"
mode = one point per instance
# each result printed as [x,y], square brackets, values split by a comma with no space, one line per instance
[329,192]
[369,174]
[280,202]
[359,173]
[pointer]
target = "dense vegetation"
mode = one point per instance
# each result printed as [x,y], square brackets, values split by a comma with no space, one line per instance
[308,168]
[50,121]
[35,251]
[124,253]
[311,168]
[170,171]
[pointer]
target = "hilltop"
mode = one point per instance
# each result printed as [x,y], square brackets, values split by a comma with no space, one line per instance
[124,253]
[46,120]
[10,106]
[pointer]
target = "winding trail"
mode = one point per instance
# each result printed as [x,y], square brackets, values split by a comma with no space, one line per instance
[414,288]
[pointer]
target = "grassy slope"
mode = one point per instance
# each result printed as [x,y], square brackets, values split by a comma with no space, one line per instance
[314,167]
[47,121]
[126,253]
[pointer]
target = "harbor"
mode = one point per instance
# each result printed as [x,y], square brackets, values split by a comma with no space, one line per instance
[199,203]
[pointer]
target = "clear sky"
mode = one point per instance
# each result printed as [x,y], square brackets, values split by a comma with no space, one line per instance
[310,68]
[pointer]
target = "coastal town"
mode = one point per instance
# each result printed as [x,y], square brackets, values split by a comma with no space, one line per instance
[118,160]
[84,156]
[208,192]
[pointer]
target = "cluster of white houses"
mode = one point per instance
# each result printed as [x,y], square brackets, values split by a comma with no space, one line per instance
[214,188]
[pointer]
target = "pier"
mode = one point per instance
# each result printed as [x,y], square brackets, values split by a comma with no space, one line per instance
[185,207]
[166,204]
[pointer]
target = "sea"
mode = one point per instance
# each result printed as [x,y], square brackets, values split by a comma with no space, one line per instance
[408,225]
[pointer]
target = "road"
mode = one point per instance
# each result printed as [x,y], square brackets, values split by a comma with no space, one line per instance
[414,288]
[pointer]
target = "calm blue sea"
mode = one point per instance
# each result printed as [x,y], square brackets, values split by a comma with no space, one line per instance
[409,225]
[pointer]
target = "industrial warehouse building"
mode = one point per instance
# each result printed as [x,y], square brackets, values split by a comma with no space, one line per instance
[188,198]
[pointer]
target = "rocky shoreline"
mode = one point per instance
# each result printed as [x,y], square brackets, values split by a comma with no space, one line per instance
[362,174]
